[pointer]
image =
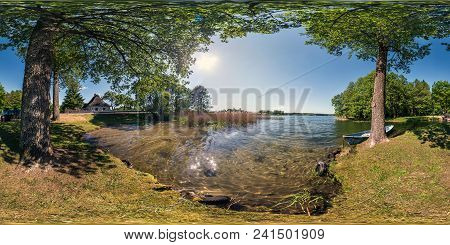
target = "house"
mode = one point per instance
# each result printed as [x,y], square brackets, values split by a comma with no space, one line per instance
[446,118]
[8,115]
[96,104]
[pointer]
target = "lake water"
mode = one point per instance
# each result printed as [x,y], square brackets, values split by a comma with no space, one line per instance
[258,165]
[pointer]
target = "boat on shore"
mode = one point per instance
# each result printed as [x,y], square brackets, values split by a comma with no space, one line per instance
[356,138]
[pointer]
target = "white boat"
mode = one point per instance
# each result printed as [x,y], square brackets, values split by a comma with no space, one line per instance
[359,137]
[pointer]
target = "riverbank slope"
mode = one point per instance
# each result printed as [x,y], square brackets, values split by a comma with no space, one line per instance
[402,181]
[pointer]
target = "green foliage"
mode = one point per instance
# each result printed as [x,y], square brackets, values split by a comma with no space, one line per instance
[402,98]
[392,34]
[354,102]
[200,99]
[115,41]
[362,28]
[160,102]
[120,101]
[125,102]
[163,99]
[420,98]
[127,44]
[397,96]
[111,97]
[166,102]
[73,99]
[441,97]
[181,99]
[13,100]
[2,97]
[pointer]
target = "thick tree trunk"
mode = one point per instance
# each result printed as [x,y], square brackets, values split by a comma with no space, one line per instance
[35,123]
[55,96]
[378,134]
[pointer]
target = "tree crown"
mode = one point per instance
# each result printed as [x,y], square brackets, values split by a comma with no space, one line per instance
[361,28]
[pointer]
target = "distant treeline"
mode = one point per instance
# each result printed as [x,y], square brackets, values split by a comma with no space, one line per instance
[268,112]
[278,112]
[403,98]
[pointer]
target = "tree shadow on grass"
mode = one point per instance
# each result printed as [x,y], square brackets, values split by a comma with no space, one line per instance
[426,130]
[411,124]
[72,154]
[9,141]
[437,134]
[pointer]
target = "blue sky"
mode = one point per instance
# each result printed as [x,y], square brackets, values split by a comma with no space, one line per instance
[263,62]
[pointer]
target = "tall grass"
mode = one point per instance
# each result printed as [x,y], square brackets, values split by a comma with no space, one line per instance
[227,118]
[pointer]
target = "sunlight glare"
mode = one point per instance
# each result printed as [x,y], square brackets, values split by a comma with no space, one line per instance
[207,62]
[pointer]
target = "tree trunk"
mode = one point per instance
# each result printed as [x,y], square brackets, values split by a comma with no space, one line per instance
[55,96]
[378,134]
[177,107]
[35,123]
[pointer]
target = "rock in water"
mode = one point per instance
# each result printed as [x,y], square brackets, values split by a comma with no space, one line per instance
[321,168]
[191,195]
[332,155]
[209,173]
[163,188]
[215,200]
[127,163]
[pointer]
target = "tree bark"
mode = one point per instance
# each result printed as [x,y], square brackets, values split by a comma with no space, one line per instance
[55,96]
[35,123]
[378,134]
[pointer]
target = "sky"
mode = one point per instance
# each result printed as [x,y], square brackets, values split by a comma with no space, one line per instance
[267,71]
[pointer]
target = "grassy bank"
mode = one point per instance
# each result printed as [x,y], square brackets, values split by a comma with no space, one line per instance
[403,181]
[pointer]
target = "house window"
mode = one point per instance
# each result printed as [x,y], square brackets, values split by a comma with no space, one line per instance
[96,109]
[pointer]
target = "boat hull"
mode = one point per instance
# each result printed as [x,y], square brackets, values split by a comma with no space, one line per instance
[357,138]
[355,141]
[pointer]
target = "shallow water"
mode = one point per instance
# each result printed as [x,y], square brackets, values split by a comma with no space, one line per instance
[257,165]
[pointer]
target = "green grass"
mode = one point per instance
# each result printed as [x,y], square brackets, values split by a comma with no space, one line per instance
[402,181]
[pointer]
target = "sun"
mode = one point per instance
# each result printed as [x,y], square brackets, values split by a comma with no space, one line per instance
[207,62]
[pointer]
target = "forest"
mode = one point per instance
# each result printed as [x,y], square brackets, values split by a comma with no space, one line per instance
[403,98]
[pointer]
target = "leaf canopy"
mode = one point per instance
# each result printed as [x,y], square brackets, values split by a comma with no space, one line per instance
[361,28]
